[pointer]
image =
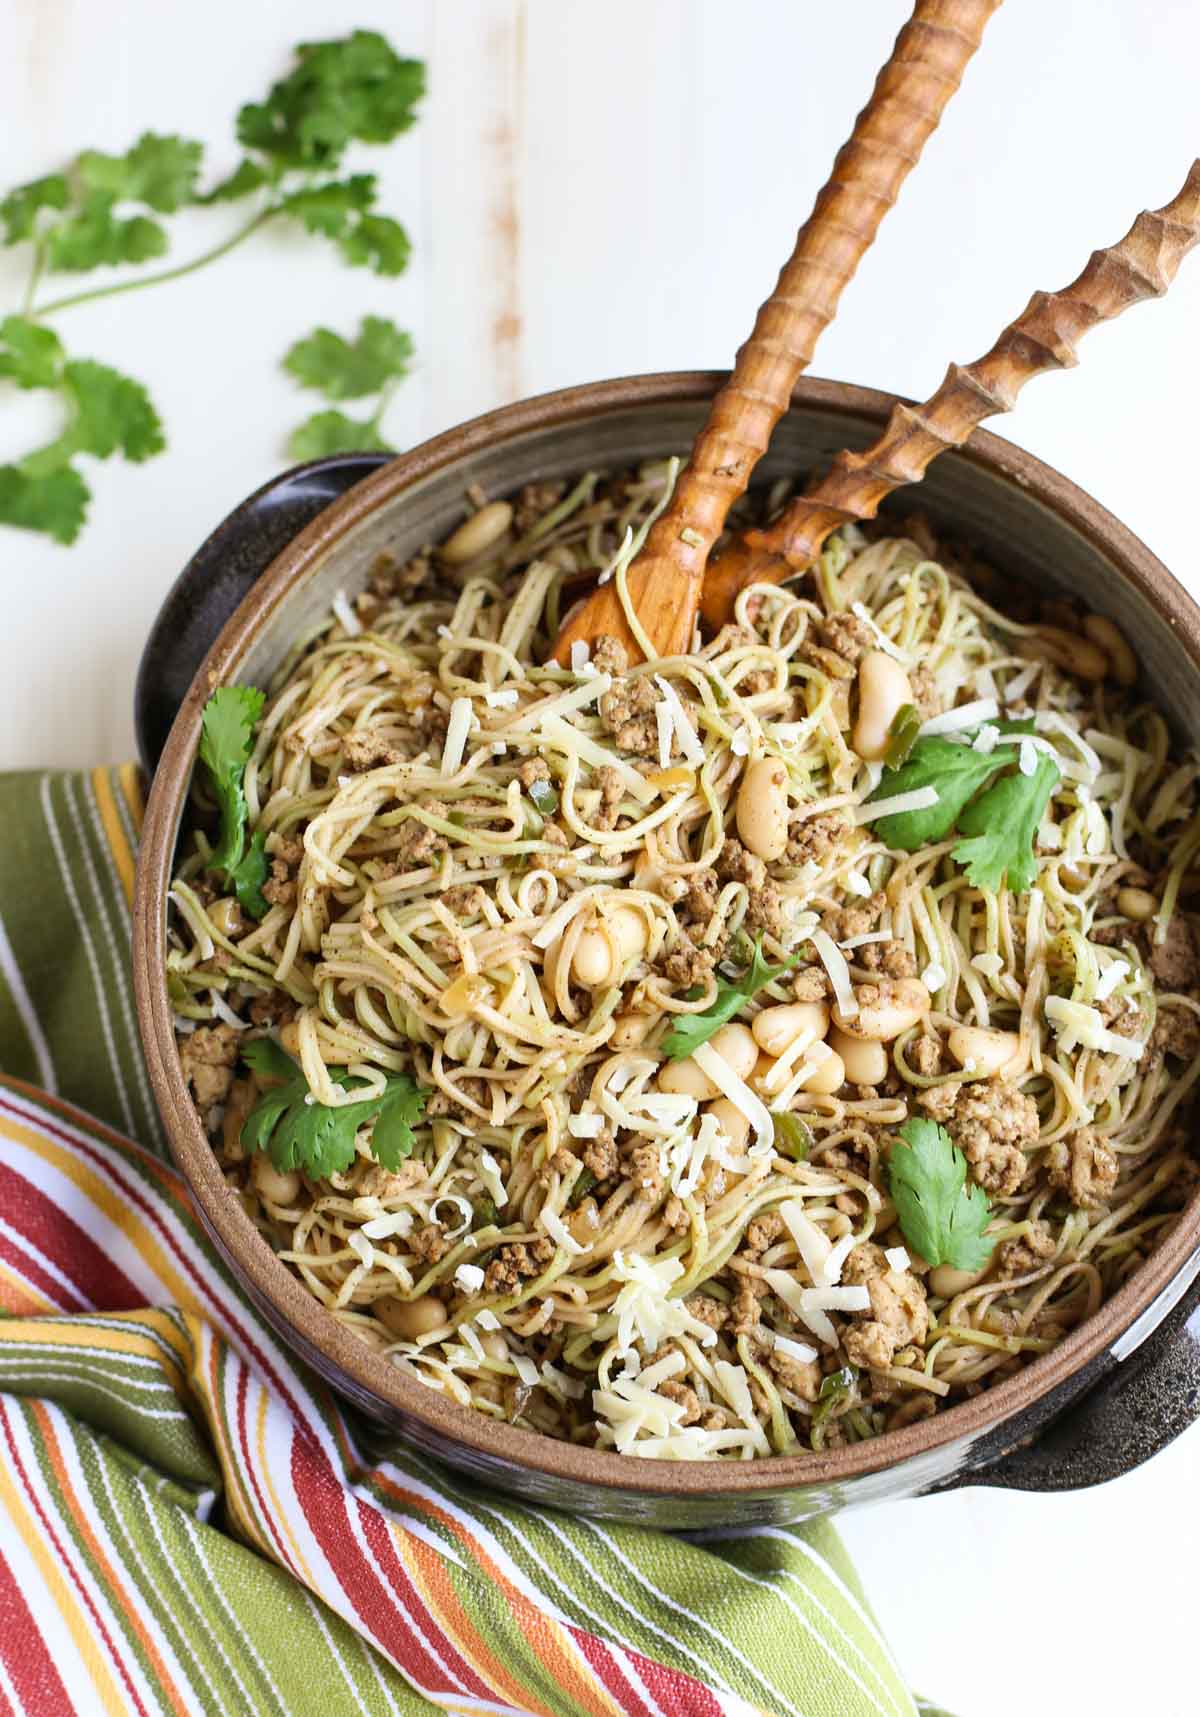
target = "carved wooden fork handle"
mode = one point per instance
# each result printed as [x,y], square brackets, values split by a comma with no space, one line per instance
[1043,338]
[926,65]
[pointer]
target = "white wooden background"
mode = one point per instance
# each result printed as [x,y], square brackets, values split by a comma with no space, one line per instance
[597,189]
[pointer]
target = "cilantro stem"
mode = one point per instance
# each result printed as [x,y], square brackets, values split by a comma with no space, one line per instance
[96,292]
[35,275]
[387,394]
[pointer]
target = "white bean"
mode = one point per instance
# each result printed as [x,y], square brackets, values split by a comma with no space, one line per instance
[735,1045]
[866,1063]
[410,1318]
[883,689]
[828,1076]
[732,1122]
[983,1051]
[274,1185]
[687,1079]
[900,1004]
[494,1344]
[777,1028]
[1137,903]
[629,1030]
[1113,642]
[762,809]
[602,953]
[1078,655]
[477,533]
[946,1281]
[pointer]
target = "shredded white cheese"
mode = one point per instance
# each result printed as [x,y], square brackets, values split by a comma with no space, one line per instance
[813,1245]
[1075,1023]
[581,655]
[665,723]
[740,743]
[738,1092]
[489,1171]
[457,729]
[834,962]
[362,1248]
[585,1126]
[348,620]
[1020,683]
[1027,757]
[525,1369]
[863,613]
[399,1222]
[919,799]
[991,965]
[487,1319]
[689,739]
[569,1386]
[799,1351]
[558,1231]
[642,1308]
[734,1385]
[897,1257]
[933,977]
[468,1277]
[466,1214]
[506,699]
[856,883]
[985,740]
[966,715]
[1110,979]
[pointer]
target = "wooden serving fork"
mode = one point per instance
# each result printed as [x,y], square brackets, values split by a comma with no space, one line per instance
[1043,338]
[910,94]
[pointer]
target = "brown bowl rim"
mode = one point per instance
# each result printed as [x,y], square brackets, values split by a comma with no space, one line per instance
[272,1280]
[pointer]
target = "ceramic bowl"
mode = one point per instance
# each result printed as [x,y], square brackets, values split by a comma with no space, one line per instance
[1113,1390]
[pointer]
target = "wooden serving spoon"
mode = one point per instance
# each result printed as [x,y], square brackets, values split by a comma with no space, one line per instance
[1043,338]
[910,94]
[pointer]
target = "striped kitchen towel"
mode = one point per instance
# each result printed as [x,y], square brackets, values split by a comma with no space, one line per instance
[190,1522]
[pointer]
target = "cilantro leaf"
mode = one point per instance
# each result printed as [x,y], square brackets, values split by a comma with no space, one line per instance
[350,369]
[158,171]
[393,1138]
[54,502]
[955,771]
[246,177]
[248,877]
[691,1030]
[19,209]
[226,739]
[356,88]
[941,1220]
[95,237]
[319,1138]
[333,432]
[377,242]
[1004,823]
[330,208]
[34,355]
[113,413]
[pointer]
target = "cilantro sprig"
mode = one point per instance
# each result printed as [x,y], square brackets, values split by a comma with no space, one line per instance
[691,1030]
[982,794]
[941,1219]
[107,211]
[373,363]
[226,740]
[318,1138]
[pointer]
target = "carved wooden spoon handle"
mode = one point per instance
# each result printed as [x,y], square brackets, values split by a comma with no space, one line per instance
[927,63]
[1042,339]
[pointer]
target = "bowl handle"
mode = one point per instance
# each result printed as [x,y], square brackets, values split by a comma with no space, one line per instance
[218,576]
[1150,1393]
